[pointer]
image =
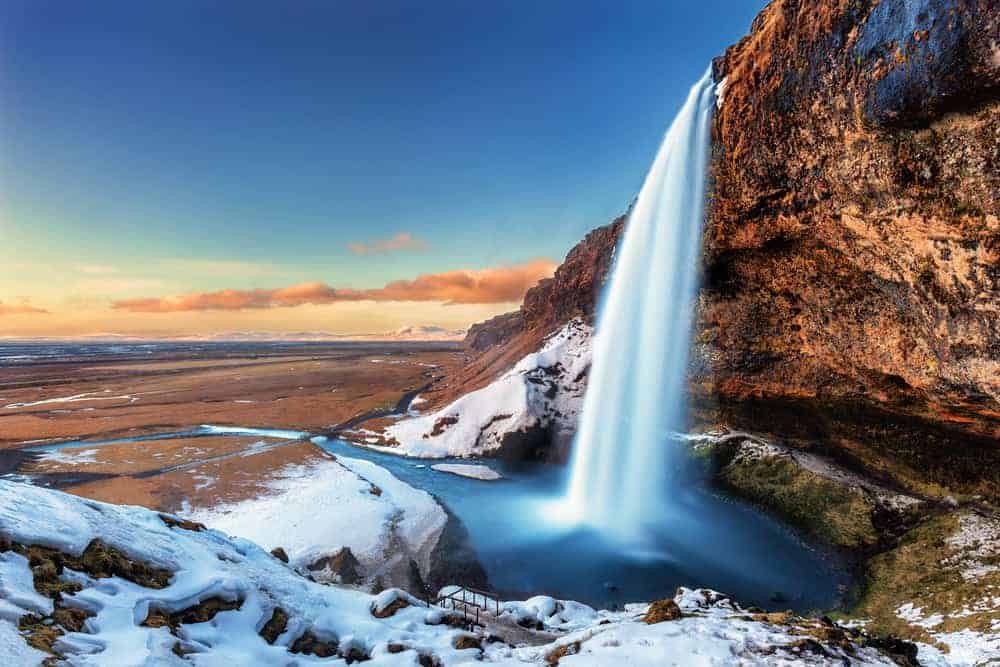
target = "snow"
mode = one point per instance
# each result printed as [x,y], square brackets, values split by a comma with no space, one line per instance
[340,493]
[17,589]
[915,616]
[282,434]
[205,564]
[13,650]
[977,542]
[714,632]
[482,472]
[87,396]
[543,388]
[69,458]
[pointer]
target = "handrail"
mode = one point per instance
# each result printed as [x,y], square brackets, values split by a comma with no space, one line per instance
[487,596]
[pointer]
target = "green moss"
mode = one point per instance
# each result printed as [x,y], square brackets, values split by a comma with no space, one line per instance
[836,513]
[922,570]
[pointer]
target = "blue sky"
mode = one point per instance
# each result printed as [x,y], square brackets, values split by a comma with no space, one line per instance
[265,137]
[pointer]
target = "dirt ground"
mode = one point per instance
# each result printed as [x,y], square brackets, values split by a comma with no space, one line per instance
[312,390]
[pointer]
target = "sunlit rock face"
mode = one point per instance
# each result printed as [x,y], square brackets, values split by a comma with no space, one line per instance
[851,287]
[853,249]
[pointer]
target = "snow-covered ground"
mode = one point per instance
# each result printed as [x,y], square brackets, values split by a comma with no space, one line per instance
[473,471]
[390,629]
[312,510]
[544,390]
[87,396]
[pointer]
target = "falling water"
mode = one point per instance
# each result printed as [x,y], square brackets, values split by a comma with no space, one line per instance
[624,462]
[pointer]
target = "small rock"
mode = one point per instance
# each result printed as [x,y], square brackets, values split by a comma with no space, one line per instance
[662,610]
[343,565]
[280,554]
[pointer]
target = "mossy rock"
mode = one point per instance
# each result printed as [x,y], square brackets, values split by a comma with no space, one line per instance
[836,513]
[923,569]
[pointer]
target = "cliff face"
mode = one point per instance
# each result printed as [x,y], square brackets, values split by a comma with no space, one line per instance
[496,345]
[852,255]
[851,298]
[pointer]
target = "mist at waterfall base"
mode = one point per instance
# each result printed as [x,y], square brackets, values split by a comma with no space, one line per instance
[638,516]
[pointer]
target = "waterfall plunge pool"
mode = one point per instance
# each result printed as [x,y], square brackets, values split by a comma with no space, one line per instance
[705,538]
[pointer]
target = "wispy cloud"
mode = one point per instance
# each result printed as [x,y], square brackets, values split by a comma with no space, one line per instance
[401,242]
[23,307]
[491,285]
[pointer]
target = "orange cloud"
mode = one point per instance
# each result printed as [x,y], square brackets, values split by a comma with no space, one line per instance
[403,241]
[491,285]
[22,308]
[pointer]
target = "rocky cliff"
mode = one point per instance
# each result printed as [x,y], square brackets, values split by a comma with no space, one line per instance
[851,289]
[852,254]
[497,345]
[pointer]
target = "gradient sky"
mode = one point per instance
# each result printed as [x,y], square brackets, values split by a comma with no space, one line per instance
[153,154]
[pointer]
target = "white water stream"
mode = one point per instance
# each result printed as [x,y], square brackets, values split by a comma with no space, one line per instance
[624,462]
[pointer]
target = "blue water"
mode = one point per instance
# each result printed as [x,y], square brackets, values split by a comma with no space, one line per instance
[707,539]
[704,538]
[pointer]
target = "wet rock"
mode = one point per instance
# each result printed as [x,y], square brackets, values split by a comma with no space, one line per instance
[903,652]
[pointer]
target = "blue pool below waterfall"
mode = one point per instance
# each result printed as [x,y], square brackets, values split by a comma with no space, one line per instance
[705,538]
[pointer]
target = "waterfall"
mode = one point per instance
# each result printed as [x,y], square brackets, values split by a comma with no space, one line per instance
[624,461]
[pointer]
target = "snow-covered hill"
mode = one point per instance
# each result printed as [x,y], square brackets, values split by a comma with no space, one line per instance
[543,393]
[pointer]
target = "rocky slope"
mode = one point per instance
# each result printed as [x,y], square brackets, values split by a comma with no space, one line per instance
[497,345]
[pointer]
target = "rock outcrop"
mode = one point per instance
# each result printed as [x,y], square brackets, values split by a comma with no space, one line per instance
[499,344]
[528,412]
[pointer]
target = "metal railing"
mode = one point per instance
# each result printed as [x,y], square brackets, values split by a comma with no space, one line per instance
[472,602]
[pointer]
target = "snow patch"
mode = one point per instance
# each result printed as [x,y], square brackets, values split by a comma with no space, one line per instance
[69,457]
[312,510]
[482,472]
[545,388]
